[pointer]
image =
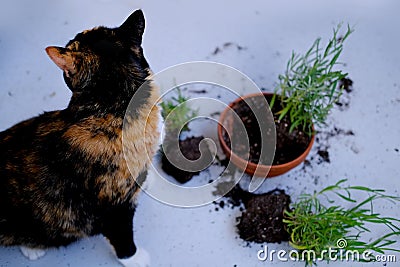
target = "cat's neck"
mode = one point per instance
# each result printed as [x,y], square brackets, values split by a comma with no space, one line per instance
[109,98]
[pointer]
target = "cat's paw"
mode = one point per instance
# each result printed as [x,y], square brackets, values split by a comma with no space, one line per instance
[32,253]
[140,259]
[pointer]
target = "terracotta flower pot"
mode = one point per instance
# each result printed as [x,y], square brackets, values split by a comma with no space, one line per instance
[248,166]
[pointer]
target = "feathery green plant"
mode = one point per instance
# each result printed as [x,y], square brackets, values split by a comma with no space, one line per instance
[177,113]
[315,227]
[309,88]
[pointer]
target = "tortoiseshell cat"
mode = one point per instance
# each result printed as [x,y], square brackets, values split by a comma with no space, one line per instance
[63,174]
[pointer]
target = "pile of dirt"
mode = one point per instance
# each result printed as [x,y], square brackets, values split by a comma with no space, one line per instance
[190,149]
[262,214]
[262,219]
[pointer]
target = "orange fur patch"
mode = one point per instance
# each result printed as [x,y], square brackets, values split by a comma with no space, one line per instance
[134,146]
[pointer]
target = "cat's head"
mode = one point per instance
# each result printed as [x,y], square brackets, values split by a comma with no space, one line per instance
[102,58]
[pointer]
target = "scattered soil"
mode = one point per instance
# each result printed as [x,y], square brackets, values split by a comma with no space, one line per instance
[320,153]
[237,197]
[324,154]
[215,114]
[322,140]
[189,148]
[262,214]
[347,84]
[229,44]
[262,220]
[226,45]
[288,146]
[202,91]
[337,131]
[344,101]
[217,50]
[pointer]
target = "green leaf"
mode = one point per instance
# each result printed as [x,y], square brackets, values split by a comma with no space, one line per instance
[346,198]
[309,85]
[283,112]
[271,104]
[313,226]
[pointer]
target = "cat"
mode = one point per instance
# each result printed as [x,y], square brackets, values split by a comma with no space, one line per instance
[63,174]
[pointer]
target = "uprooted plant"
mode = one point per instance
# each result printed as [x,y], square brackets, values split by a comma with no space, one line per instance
[177,114]
[316,227]
[176,152]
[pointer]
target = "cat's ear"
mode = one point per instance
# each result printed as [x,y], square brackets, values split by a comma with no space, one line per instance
[134,26]
[63,58]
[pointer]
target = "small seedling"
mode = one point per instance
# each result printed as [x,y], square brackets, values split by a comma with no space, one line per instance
[315,227]
[309,88]
[177,113]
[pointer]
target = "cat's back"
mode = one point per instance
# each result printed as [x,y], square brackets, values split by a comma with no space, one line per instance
[57,151]
[21,156]
[18,140]
[55,140]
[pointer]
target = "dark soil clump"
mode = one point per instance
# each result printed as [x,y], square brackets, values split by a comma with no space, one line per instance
[288,146]
[347,84]
[262,220]
[238,197]
[189,148]
[344,101]
[262,214]
[324,154]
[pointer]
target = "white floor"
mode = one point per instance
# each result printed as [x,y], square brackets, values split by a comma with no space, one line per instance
[179,31]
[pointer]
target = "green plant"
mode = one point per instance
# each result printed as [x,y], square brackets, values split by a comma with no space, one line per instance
[177,113]
[309,87]
[315,227]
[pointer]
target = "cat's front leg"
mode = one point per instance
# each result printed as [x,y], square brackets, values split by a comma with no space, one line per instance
[118,228]
[140,259]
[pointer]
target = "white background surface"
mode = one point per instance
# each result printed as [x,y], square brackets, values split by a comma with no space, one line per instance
[178,31]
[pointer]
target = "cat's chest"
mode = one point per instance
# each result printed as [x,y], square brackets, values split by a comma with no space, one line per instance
[123,150]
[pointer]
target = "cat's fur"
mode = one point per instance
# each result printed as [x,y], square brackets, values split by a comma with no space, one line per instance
[64,174]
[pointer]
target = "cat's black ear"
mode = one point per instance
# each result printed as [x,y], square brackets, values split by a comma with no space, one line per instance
[133,26]
[63,58]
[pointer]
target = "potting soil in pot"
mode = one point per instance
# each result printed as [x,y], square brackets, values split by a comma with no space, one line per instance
[288,145]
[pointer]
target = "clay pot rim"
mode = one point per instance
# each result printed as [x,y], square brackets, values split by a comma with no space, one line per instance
[251,165]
